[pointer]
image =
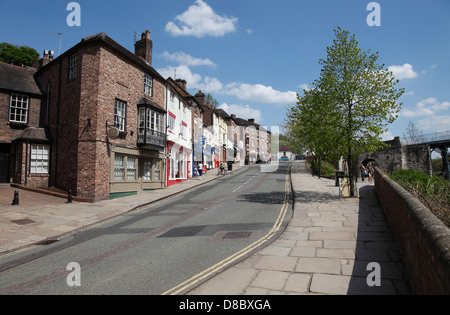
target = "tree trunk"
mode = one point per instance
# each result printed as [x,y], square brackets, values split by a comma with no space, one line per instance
[351,173]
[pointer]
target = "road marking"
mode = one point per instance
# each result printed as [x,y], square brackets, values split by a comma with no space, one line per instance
[226,262]
[245,183]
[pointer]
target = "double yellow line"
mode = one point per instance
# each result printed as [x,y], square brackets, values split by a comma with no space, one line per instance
[226,262]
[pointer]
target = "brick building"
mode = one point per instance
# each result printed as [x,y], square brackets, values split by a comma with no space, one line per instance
[105,109]
[20,119]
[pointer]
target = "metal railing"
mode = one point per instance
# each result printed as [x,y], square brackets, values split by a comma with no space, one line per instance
[151,138]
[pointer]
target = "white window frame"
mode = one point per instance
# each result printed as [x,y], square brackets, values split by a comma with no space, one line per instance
[172,122]
[120,115]
[131,168]
[148,85]
[119,168]
[39,159]
[172,100]
[19,112]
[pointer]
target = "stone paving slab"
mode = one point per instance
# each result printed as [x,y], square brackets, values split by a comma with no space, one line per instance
[325,249]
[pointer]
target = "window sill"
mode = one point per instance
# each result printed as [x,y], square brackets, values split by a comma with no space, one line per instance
[18,125]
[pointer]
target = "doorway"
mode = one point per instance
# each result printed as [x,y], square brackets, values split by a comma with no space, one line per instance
[4,162]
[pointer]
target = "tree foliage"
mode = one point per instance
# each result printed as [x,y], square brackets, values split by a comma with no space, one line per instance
[18,55]
[348,107]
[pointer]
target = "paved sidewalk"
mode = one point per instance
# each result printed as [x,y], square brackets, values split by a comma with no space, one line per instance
[325,249]
[39,217]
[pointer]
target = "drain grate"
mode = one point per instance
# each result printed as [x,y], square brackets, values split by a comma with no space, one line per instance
[236,235]
[23,221]
[46,242]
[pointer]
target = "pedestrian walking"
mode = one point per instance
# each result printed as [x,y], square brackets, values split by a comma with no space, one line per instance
[370,171]
[363,170]
[200,170]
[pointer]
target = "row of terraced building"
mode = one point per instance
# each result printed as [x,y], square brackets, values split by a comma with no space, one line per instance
[99,120]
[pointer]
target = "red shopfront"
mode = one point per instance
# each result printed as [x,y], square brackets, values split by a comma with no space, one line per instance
[178,163]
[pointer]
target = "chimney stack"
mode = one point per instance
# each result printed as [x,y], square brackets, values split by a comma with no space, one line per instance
[48,57]
[181,83]
[200,97]
[144,47]
[252,120]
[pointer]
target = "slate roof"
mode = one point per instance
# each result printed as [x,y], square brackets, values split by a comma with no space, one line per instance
[285,148]
[32,133]
[18,79]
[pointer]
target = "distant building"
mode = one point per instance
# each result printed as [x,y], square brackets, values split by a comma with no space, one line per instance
[285,151]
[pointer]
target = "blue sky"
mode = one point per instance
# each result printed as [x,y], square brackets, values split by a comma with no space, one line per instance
[254,56]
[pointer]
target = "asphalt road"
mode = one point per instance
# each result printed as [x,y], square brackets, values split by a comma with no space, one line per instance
[166,248]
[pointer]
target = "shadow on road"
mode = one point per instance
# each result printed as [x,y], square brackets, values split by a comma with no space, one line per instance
[273,198]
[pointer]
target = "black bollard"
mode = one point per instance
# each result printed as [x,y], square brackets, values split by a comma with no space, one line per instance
[16,198]
[69,197]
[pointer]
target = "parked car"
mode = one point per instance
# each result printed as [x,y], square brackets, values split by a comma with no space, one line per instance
[284,158]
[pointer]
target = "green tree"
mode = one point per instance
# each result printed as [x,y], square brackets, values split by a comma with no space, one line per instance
[18,55]
[349,106]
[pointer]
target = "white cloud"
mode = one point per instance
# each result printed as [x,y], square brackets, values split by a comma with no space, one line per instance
[426,107]
[435,123]
[247,92]
[182,72]
[249,31]
[409,93]
[261,93]
[387,136]
[187,60]
[305,86]
[244,112]
[403,72]
[200,20]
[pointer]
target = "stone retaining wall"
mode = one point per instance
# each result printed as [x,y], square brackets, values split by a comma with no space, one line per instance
[423,240]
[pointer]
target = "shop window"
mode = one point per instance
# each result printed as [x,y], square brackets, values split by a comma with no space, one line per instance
[147,170]
[119,168]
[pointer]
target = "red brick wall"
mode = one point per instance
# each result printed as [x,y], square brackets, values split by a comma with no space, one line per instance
[82,155]
[9,130]
[422,239]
